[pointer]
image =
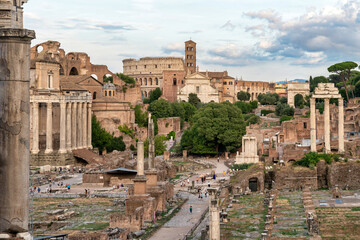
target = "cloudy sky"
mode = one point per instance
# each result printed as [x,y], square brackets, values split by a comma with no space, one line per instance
[254,39]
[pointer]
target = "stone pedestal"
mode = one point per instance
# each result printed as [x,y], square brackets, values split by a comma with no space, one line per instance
[166,155]
[14,128]
[139,185]
[184,154]
[151,176]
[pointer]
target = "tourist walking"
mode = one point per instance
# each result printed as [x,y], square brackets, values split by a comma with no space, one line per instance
[190,209]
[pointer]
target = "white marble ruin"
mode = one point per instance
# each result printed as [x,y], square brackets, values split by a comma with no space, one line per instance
[326,91]
[249,150]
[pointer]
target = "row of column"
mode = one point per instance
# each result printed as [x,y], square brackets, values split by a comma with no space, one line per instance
[327,139]
[75,126]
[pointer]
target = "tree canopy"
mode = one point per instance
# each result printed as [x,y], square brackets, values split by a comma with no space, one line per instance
[314,82]
[268,98]
[193,99]
[243,96]
[215,127]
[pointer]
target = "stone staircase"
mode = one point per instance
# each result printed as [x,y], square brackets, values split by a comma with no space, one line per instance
[290,221]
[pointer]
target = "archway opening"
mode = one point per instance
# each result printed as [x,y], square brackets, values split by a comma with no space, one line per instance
[299,101]
[94,95]
[253,184]
[94,76]
[74,71]
[61,70]
[108,78]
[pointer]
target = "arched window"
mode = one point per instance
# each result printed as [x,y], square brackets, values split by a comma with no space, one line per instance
[156,81]
[140,81]
[150,81]
[145,82]
[74,71]
[109,93]
[174,81]
[94,95]
[105,93]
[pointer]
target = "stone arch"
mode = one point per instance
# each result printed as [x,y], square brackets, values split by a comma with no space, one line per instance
[150,80]
[94,76]
[39,49]
[302,99]
[74,71]
[141,83]
[295,89]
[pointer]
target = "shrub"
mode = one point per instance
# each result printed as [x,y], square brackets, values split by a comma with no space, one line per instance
[243,166]
[266,112]
[285,118]
[312,158]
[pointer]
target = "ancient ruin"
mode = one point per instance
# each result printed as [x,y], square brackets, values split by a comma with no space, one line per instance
[249,150]
[327,91]
[14,120]
[295,88]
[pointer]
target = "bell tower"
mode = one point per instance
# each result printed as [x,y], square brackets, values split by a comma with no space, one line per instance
[190,56]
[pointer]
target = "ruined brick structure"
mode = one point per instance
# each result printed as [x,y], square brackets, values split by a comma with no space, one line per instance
[254,88]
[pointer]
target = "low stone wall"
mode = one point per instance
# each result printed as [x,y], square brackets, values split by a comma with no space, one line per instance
[295,178]
[132,221]
[345,175]
[240,180]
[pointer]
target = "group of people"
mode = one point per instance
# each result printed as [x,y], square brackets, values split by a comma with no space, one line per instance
[201,194]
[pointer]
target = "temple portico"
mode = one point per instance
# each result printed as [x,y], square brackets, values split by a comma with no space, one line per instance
[74,122]
[326,91]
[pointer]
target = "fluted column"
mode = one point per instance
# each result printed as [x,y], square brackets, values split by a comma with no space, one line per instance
[49,148]
[79,127]
[327,125]
[89,126]
[84,126]
[313,124]
[35,128]
[341,125]
[62,127]
[73,126]
[68,127]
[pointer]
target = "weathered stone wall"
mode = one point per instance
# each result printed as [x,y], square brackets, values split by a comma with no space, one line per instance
[295,178]
[253,87]
[96,178]
[172,81]
[345,175]
[53,159]
[166,125]
[133,221]
[241,178]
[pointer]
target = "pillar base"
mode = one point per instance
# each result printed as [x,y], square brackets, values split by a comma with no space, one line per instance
[140,185]
[24,235]
[48,151]
[151,175]
[35,151]
[62,151]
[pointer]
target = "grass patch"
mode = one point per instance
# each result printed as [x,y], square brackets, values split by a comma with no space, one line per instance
[355,209]
[289,232]
[92,226]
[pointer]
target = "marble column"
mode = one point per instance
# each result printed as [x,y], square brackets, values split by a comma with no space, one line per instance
[84,125]
[341,125]
[214,215]
[79,127]
[62,148]
[140,158]
[89,126]
[35,125]
[14,120]
[73,126]
[327,125]
[49,138]
[68,127]
[313,124]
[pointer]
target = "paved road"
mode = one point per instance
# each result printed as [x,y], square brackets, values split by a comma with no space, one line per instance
[183,221]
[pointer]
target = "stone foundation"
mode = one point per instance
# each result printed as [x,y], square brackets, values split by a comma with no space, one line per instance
[134,221]
[53,159]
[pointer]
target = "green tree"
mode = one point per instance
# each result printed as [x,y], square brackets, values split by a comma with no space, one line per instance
[107,79]
[314,82]
[254,104]
[193,99]
[216,127]
[189,110]
[160,146]
[243,96]
[101,139]
[299,101]
[244,106]
[268,98]
[154,95]
[140,116]
[160,108]
[283,100]
[284,110]
[343,69]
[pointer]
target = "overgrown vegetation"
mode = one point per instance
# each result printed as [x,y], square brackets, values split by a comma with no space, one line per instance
[127,131]
[243,166]
[128,80]
[312,158]
[160,146]
[102,140]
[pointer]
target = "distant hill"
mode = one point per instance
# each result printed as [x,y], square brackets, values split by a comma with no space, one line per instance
[298,80]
